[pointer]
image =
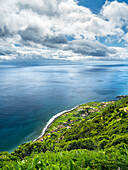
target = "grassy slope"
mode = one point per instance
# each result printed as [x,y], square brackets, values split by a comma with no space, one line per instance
[93,136]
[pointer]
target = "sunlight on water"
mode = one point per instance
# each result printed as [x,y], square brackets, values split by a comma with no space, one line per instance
[31,94]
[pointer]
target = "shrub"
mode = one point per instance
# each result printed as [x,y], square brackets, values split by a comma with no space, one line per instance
[103,143]
[80,144]
[120,139]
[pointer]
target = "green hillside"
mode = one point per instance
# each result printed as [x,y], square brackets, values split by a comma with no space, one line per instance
[92,136]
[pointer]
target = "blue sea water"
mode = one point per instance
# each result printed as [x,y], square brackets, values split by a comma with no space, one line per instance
[32,92]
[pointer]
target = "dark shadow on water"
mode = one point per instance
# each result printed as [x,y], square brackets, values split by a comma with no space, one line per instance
[112,65]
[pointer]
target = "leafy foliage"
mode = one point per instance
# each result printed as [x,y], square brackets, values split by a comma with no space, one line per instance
[93,136]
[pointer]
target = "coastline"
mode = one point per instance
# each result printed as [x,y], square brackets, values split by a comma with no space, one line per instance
[53,118]
[88,132]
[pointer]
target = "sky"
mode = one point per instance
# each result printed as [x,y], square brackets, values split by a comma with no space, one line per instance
[64,30]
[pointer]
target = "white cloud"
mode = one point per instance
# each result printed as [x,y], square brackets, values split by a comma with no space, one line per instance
[121,53]
[125,37]
[117,15]
[115,12]
[41,28]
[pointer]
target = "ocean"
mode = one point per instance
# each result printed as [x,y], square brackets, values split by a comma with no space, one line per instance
[32,92]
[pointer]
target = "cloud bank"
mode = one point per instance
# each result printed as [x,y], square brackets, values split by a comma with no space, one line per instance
[61,29]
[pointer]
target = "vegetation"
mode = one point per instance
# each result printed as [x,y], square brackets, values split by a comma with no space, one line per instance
[92,136]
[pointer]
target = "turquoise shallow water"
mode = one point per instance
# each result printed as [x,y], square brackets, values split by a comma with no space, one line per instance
[30,94]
